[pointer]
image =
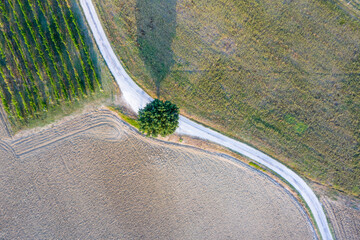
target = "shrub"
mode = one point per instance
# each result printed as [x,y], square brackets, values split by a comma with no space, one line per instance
[159,117]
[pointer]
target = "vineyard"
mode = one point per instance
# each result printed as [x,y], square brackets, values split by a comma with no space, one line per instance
[45,60]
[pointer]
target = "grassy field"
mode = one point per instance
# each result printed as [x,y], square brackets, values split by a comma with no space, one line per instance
[351,6]
[280,75]
[48,65]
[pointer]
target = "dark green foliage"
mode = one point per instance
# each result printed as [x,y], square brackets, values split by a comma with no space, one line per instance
[159,117]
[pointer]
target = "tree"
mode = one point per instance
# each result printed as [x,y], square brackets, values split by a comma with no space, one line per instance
[159,117]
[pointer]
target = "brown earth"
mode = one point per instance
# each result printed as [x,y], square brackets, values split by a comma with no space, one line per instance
[345,219]
[342,211]
[94,177]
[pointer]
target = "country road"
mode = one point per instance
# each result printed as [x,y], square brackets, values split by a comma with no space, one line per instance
[137,98]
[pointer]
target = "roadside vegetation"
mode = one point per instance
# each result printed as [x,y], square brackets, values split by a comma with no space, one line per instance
[124,116]
[280,75]
[47,60]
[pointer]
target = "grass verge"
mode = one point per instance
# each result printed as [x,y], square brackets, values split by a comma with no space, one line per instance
[133,122]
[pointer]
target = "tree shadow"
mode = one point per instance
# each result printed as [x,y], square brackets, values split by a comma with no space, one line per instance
[156,28]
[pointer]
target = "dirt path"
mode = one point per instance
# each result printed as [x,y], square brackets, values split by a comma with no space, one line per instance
[94,177]
[137,99]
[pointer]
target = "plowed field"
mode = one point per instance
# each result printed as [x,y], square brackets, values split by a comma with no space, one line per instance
[344,216]
[94,177]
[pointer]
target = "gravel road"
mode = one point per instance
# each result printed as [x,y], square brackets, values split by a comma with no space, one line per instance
[137,99]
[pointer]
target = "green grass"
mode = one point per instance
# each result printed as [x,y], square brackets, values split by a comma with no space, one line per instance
[133,122]
[352,6]
[280,75]
[257,166]
[48,64]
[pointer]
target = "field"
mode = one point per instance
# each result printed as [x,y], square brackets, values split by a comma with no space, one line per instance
[344,215]
[352,6]
[280,75]
[94,177]
[47,60]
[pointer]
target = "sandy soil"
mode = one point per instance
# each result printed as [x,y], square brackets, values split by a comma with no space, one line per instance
[344,217]
[94,177]
[343,213]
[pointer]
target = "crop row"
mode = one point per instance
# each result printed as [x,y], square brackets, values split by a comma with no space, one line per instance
[84,46]
[38,51]
[44,58]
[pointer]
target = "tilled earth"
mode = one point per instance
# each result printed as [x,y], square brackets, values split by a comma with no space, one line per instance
[344,216]
[94,177]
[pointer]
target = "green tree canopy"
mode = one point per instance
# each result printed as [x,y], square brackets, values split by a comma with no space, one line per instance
[159,117]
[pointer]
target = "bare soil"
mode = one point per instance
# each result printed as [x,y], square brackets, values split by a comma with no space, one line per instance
[342,211]
[94,177]
[345,219]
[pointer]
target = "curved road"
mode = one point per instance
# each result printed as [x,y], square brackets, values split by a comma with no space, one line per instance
[137,99]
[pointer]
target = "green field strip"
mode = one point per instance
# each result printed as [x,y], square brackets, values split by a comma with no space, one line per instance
[68,28]
[8,83]
[16,106]
[5,102]
[31,89]
[35,84]
[38,50]
[80,58]
[81,37]
[46,44]
[81,88]
[44,62]
[85,72]
[19,71]
[62,81]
